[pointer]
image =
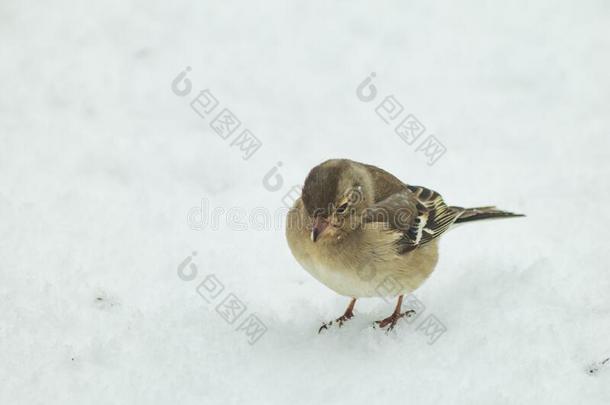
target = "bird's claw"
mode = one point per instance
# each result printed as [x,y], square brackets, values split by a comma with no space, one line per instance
[392,320]
[339,321]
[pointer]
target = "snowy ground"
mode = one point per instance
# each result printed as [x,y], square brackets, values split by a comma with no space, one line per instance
[100,163]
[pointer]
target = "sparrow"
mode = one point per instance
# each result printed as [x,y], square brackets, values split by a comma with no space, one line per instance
[362,232]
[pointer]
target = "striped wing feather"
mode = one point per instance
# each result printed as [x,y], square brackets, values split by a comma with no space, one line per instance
[419,213]
[433,218]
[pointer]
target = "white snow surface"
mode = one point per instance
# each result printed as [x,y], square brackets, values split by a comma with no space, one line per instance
[100,162]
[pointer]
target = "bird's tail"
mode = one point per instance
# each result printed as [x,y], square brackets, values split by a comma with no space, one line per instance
[475,214]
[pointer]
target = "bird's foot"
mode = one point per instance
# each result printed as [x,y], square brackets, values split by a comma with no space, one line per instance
[390,321]
[339,321]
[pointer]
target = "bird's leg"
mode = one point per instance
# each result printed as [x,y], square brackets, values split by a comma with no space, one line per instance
[396,315]
[347,315]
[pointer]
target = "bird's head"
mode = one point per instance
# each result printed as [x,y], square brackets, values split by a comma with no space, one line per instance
[335,194]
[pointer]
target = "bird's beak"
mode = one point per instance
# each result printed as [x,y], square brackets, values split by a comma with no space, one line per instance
[319,225]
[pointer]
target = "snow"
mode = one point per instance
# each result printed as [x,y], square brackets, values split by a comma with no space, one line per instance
[100,163]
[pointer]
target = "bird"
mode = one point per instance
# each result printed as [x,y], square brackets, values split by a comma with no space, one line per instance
[362,232]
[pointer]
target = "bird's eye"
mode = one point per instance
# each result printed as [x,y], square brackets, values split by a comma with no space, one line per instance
[342,208]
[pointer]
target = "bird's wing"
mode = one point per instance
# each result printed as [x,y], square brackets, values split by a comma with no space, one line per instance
[396,212]
[420,214]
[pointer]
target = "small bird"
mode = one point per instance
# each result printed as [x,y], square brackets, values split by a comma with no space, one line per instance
[362,232]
